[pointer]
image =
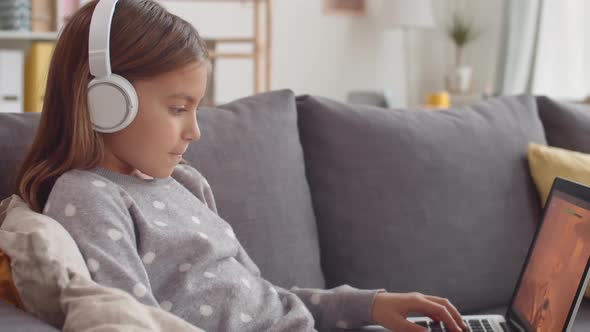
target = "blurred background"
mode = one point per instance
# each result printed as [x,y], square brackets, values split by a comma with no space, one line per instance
[393,53]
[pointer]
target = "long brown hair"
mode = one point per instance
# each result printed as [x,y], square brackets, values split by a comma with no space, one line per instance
[146,40]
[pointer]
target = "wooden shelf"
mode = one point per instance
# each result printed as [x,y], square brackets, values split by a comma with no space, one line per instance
[52,35]
[259,53]
[27,35]
[230,40]
[221,55]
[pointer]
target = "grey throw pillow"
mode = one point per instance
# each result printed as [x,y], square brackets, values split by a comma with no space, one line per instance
[438,202]
[567,125]
[251,155]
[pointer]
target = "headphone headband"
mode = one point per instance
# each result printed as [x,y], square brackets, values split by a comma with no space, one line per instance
[99,57]
[112,99]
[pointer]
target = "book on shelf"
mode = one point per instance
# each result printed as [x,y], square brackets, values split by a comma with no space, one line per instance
[36,69]
[42,16]
[11,81]
[36,15]
[15,15]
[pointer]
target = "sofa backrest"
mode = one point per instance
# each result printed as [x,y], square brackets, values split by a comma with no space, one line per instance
[567,124]
[410,201]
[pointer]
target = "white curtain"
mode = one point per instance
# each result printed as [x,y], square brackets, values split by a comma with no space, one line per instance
[562,67]
[518,46]
[545,48]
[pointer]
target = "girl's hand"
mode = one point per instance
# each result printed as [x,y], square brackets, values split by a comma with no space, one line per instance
[390,310]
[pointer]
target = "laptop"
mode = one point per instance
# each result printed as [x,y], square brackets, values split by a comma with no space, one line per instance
[555,273]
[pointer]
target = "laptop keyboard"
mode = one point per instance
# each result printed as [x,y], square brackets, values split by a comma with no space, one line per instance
[475,325]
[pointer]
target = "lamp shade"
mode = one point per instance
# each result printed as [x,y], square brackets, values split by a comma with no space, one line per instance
[408,13]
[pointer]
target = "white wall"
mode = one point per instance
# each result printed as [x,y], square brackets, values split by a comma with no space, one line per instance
[323,55]
[332,55]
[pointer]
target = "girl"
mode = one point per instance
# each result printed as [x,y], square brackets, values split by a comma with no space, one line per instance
[145,222]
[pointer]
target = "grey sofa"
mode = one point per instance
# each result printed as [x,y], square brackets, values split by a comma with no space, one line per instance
[323,193]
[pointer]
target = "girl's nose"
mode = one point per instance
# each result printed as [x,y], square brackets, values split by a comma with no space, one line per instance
[193,132]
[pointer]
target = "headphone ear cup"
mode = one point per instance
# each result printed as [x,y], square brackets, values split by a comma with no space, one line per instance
[112,103]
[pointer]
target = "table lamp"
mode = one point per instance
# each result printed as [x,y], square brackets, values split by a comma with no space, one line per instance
[406,15]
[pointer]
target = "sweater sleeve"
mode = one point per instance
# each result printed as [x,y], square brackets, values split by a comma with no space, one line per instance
[96,215]
[341,307]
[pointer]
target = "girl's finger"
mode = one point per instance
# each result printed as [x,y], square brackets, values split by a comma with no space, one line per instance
[433,309]
[451,308]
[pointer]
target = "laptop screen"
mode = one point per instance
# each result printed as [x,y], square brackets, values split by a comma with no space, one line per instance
[556,265]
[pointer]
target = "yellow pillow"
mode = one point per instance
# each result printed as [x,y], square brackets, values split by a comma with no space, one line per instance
[8,292]
[546,163]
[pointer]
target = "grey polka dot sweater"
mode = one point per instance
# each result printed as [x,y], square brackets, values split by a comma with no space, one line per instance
[162,241]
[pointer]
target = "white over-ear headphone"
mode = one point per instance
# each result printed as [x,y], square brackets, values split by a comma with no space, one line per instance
[112,100]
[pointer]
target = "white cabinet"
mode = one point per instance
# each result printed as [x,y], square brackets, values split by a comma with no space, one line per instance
[11,80]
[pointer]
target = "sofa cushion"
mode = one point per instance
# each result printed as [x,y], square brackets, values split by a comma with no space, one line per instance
[439,202]
[17,131]
[15,320]
[566,124]
[251,155]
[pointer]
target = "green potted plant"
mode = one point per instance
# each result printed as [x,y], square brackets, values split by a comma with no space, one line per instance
[461,32]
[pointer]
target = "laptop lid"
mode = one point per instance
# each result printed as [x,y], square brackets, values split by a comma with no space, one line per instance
[555,274]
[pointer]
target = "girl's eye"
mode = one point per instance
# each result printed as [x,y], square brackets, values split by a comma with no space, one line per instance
[177,110]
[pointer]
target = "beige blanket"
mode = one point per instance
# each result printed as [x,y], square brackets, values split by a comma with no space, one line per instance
[54,283]
[92,307]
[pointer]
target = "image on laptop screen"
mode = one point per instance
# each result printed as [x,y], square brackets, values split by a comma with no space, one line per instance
[556,265]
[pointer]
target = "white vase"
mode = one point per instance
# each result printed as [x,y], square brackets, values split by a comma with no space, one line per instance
[459,79]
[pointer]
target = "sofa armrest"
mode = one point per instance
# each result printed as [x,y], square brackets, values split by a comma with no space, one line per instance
[13,319]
